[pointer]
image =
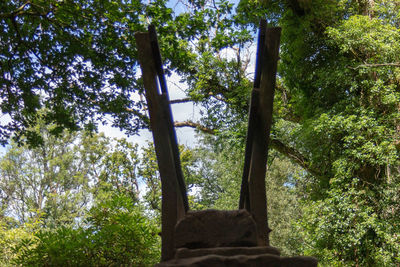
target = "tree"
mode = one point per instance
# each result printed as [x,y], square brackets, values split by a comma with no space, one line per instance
[118,172]
[148,171]
[72,57]
[74,200]
[116,232]
[336,106]
[336,115]
[78,58]
[59,179]
[49,179]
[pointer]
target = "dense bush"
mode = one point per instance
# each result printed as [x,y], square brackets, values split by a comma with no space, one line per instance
[116,233]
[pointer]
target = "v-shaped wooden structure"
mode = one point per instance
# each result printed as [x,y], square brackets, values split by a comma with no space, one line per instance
[214,234]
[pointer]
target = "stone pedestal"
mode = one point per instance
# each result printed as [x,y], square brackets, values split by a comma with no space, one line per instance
[225,239]
[241,260]
[216,228]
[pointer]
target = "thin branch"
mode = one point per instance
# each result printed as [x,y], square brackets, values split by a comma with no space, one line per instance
[195,125]
[294,155]
[182,100]
[289,152]
[391,64]
[135,112]
[138,114]
[189,99]
[16,12]
[217,97]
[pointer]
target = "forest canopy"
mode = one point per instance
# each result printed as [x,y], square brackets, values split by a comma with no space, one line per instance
[336,110]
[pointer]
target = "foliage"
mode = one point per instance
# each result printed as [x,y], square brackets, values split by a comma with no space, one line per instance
[336,115]
[116,234]
[119,170]
[70,57]
[336,109]
[220,170]
[284,209]
[338,96]
[346,227]
[50,179]
[148,171]
[78,58]
[12,236]
[94,218]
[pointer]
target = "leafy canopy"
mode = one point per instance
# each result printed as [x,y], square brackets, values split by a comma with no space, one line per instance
[78,58]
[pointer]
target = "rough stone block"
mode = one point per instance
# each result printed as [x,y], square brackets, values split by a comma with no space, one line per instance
[216,228]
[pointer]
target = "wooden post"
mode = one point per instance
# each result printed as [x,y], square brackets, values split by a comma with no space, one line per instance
[173,207]
[258,201]
[260,122]
[244,201]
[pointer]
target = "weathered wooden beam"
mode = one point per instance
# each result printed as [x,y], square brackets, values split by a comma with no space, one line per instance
[166,110]
[244,200]
[172,203]
[258,201]
[261,125]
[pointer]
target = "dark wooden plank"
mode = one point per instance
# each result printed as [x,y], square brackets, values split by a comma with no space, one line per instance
[244,200]
[167,113]
[157,59]
[175,149]
[172,202]
[262,121]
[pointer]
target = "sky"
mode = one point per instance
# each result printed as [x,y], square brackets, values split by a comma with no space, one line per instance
[180,112]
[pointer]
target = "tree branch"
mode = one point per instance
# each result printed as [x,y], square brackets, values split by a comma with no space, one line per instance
[195,125]
[143,117]
[15,13]
[182,100]
[130,110]
[218,97]
[294,155]
[289,152]
[392,64]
